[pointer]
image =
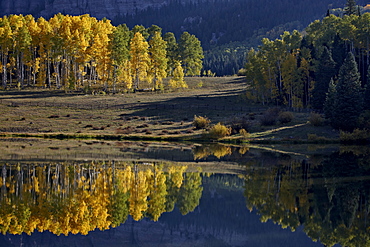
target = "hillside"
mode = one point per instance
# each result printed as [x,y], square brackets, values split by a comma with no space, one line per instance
[228,30]
[96,8]
[225,28]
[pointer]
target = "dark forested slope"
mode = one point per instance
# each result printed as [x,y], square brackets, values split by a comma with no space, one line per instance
[215,22]
[227,28]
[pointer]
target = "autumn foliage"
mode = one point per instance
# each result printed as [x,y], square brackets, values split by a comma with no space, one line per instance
[80,198]
[82,52]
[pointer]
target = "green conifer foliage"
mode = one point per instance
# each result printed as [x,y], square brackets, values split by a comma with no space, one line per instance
[191,54]
[330,102]
[325,71]
[172,52]
[120,44]
[367,91]
[350,8]
[348,97]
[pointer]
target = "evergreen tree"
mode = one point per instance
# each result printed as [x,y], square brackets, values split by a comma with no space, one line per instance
[120,44]
[172,52]
[367,91]
[350,8]
[330,102]
[191,54]
[325,71]
[348,97]
[140,29]
[153,30]
[338,52]
[120,50]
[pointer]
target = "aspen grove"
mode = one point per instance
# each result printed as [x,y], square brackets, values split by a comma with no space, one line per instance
[82,52]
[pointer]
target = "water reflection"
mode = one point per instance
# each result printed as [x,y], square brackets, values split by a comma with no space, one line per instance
[321,194]
[328,196]
[78,198]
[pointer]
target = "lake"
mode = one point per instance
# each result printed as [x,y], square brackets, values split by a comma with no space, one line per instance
[92,193]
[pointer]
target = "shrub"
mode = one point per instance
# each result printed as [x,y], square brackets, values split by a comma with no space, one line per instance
[270,116]
[239,123]
[146,131]
[167,123]
[244,133]
[357,136]
[125,131]
[201,122]
[242,72]
[285,117]
[219,131]
[142,126]
[364,120]
[316,119]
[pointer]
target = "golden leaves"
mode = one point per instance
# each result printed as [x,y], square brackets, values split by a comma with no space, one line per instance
[80,198]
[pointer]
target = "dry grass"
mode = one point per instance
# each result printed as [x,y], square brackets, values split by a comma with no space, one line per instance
[145,114]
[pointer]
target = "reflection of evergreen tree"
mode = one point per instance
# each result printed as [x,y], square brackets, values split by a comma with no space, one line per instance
[119,208]
[171,196]
[190,193]
[330,199]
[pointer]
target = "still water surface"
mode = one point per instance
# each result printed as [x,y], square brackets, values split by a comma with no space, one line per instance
[150,194]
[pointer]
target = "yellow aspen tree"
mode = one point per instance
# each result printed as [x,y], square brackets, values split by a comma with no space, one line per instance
[100,51]
[82,40]
[6,44]
[44,52]
[139,59]
[306,80]
[125,74]
[66,35]
[177,81]
[30,51]
[158,60]
[34,31]
[289,79]
[57,48]
[21,43]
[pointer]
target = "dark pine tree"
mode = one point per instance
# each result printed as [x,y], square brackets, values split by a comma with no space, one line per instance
[349,96]
[367,91]
[338,52]
[325,71]
[350,8]
[330,101]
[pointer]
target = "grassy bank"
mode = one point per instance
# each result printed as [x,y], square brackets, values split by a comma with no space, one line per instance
[157,116]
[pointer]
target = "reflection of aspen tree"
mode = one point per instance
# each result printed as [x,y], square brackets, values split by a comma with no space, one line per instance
[173,184]
[139,193]
[79,198]
[158,192]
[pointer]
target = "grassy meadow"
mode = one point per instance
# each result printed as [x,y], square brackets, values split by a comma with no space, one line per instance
[160,115]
